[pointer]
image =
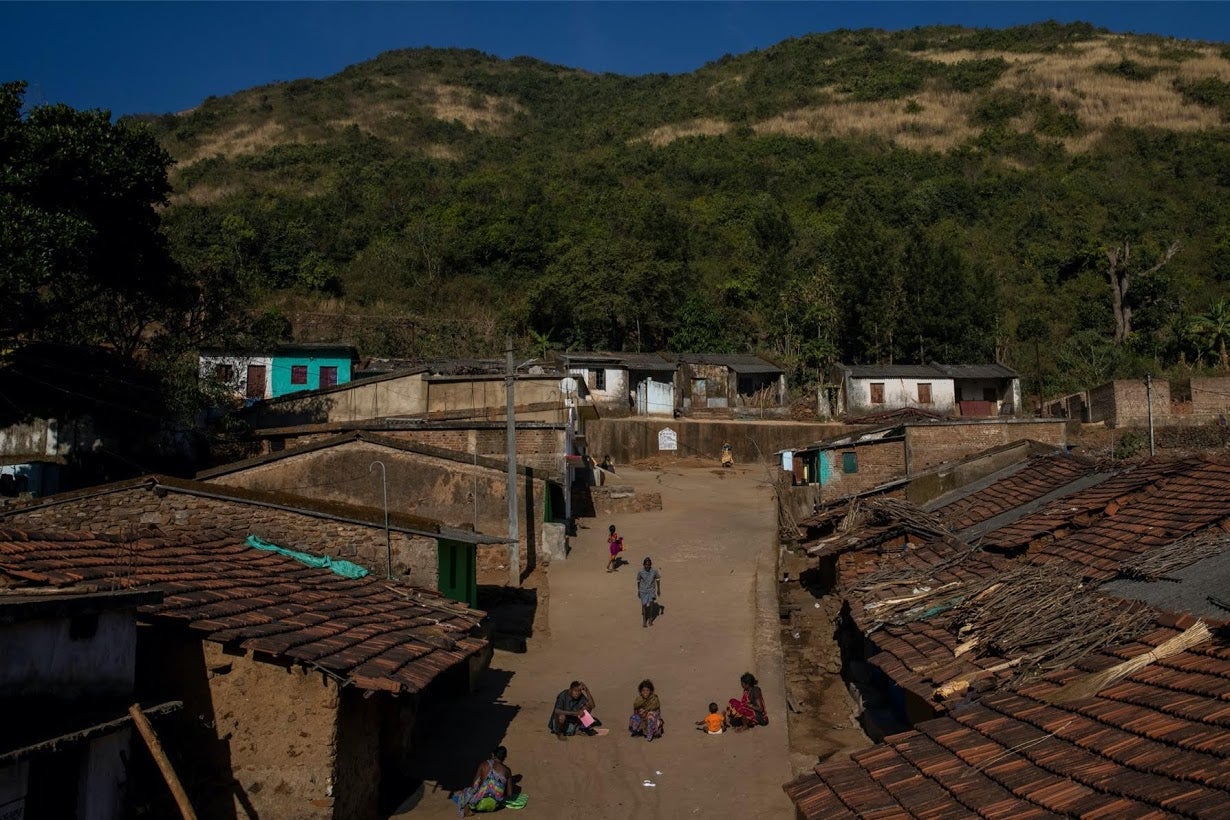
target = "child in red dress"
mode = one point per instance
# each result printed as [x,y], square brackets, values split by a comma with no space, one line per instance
[616,544]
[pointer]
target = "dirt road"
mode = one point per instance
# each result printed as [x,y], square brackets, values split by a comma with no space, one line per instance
[706,541]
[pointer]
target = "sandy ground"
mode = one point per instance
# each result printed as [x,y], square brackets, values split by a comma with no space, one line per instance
[713,529]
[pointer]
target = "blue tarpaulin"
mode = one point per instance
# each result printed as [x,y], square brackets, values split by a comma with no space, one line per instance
[346,569]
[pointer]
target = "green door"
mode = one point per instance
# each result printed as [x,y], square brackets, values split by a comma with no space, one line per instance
[457,571]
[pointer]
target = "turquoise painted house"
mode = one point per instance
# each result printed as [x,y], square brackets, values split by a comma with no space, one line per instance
[310,367]
[286,369]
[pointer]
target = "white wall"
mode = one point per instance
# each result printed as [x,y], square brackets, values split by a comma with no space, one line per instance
[239,366]
[900,393]
[41,658]
[616,389]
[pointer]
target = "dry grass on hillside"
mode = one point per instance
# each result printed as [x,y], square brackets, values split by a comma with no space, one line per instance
[702,127]
[476,111]
[1074,78]
[940,124]
[249,138]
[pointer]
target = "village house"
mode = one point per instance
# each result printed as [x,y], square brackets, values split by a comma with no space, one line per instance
[458,489]
[417,549]
[34,452]
[67,681]
[969,391]
[417,394]
[714,381]
[857,462]
[301,685]
[642,384]
[290,368]
[1075,710]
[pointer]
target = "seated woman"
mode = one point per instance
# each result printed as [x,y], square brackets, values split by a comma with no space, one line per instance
[749,710]
[490,789]
[646,717]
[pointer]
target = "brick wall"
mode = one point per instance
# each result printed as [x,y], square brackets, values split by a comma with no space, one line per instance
[1210,397]
[878,463]
[414,557]
[1125,403]
[930,445]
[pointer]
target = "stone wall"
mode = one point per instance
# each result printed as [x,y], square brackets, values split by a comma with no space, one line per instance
[414,557]
[930,445]
[1210,398]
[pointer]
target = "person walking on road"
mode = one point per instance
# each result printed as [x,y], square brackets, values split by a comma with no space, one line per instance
[615,545]
[648,588]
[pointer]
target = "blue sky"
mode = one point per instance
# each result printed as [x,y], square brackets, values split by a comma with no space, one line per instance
[168,56]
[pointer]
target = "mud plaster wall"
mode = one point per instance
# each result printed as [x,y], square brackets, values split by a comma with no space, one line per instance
[539,448]
[253,738]
[633,439]
[452,492]
[356,771]
[414,557]
[929,445]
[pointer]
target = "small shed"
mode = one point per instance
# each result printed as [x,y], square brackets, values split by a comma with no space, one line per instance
[722,380]
[621,383]
[67,681]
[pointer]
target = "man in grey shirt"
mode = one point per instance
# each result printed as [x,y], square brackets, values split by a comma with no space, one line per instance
[648,588]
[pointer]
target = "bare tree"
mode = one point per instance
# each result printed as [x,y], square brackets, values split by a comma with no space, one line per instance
[1120,274]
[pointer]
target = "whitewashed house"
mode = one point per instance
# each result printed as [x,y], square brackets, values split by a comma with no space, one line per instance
[622,383]
[942,389]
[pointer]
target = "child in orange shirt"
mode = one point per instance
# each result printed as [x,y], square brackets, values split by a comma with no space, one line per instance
[714,722]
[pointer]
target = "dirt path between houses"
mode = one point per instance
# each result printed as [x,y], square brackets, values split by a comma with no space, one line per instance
[714,529]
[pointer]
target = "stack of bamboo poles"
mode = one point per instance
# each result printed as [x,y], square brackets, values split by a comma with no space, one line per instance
[1043,618]
[1157,563]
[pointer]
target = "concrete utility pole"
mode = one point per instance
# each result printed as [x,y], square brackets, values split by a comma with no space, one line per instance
[514,556]
[1149,402]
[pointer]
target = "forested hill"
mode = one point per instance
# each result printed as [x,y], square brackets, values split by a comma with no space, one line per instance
[940,193]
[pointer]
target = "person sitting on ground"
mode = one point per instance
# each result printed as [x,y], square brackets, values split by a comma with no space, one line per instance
[714,722]
[646,717]
[570,704]
[491,786]
[749,710]
[615,543]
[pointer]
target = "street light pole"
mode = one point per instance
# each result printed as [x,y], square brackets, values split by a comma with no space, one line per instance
[1149,402]
[514,557]
[388,544]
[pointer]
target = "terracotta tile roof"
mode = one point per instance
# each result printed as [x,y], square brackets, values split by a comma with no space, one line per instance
[1080,507]
[1037,478]
[1156,743]
[370,632]
[1139,510]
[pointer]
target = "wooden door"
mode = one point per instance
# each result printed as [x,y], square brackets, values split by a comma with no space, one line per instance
[256,381]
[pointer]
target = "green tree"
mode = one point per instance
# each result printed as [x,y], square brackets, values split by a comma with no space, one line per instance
[1210,331]
[84,259]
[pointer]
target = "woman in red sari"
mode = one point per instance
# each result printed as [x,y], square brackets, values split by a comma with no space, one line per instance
[749,710]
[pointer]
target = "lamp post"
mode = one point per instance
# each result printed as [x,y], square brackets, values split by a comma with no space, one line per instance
[388,544]
[514,534]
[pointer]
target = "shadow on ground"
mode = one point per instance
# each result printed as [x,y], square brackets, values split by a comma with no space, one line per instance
[511,611]
[454,736]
